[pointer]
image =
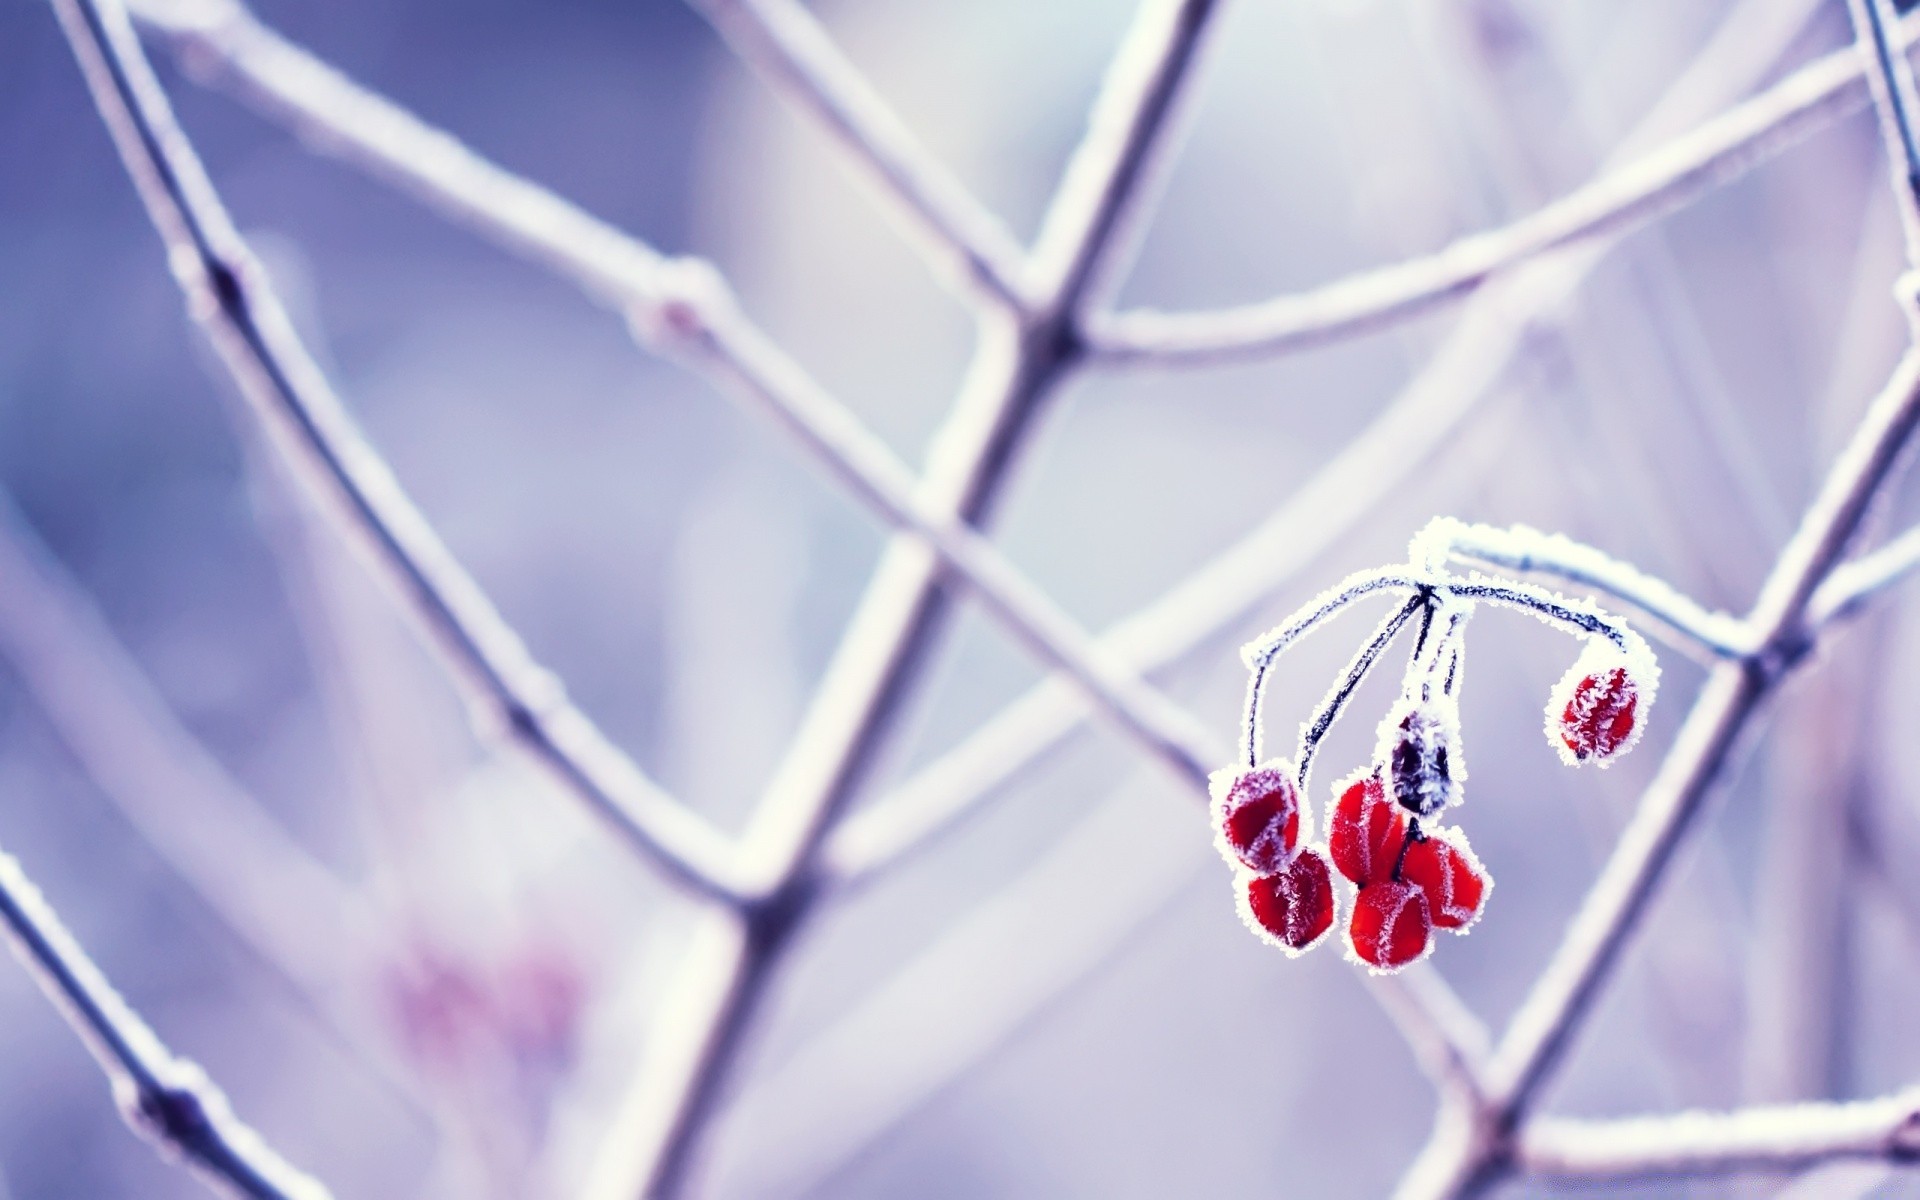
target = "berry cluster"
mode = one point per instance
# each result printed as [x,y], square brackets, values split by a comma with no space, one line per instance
[1411,873]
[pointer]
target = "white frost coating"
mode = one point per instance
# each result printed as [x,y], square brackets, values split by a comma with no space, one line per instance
[1419,752]
[1599,658]
[1528,550]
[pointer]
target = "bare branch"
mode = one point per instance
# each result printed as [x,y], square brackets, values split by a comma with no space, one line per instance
[1787,1137]
[166,1099]
[1890,79]
[784,43]
[1015,367]
[1624,199]
[685,309]
[234,302]
[1852,584]
[1692,626]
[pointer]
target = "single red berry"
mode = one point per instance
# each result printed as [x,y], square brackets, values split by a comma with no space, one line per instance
[1598,708]
[1257,813]
[1391,925]
[1598,718]
[1442,865]
[1365,830]
[1294,906]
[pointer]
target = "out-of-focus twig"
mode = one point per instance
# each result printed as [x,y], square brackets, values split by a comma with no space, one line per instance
[1775,1138]
[782,41]
[166,1099]
[230,296]
[1626,197]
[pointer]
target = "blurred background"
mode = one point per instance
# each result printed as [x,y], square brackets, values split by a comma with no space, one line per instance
[423,973]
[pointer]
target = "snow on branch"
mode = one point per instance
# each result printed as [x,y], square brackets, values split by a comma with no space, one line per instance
[1775,1138]
[1611,206]
[232,299]
[783,42]
[166,1099]
[1694,627]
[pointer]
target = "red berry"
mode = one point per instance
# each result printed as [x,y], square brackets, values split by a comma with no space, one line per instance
[1597,709]
[1391,924]
[1257,813]
[1293,907]
[1442,865]
[1364,831]
[1598,717]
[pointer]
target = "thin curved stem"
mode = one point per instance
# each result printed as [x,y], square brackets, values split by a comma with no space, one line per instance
[234,302]
[166,1099]
[1261,653]
[1334,701]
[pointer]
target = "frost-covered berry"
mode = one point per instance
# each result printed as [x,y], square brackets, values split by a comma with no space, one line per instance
[1364,830]
[1420,749]
[1597,710]
[1442,865]
[1391,925]
[1256,814]
[1293,907]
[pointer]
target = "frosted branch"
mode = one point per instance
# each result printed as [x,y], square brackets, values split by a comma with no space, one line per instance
[230,296]
[166,1099]
[1625,199]
[783,42]
[1690,625]
[1786,1137]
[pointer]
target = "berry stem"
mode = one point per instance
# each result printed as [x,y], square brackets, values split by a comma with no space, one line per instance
[1406,844]
[1336,700]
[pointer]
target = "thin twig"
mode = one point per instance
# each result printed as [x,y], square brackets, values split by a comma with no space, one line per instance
[1625,198]
[230,296]
[784,43]
[166,1099]
[1890,79]
[1786,1137]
